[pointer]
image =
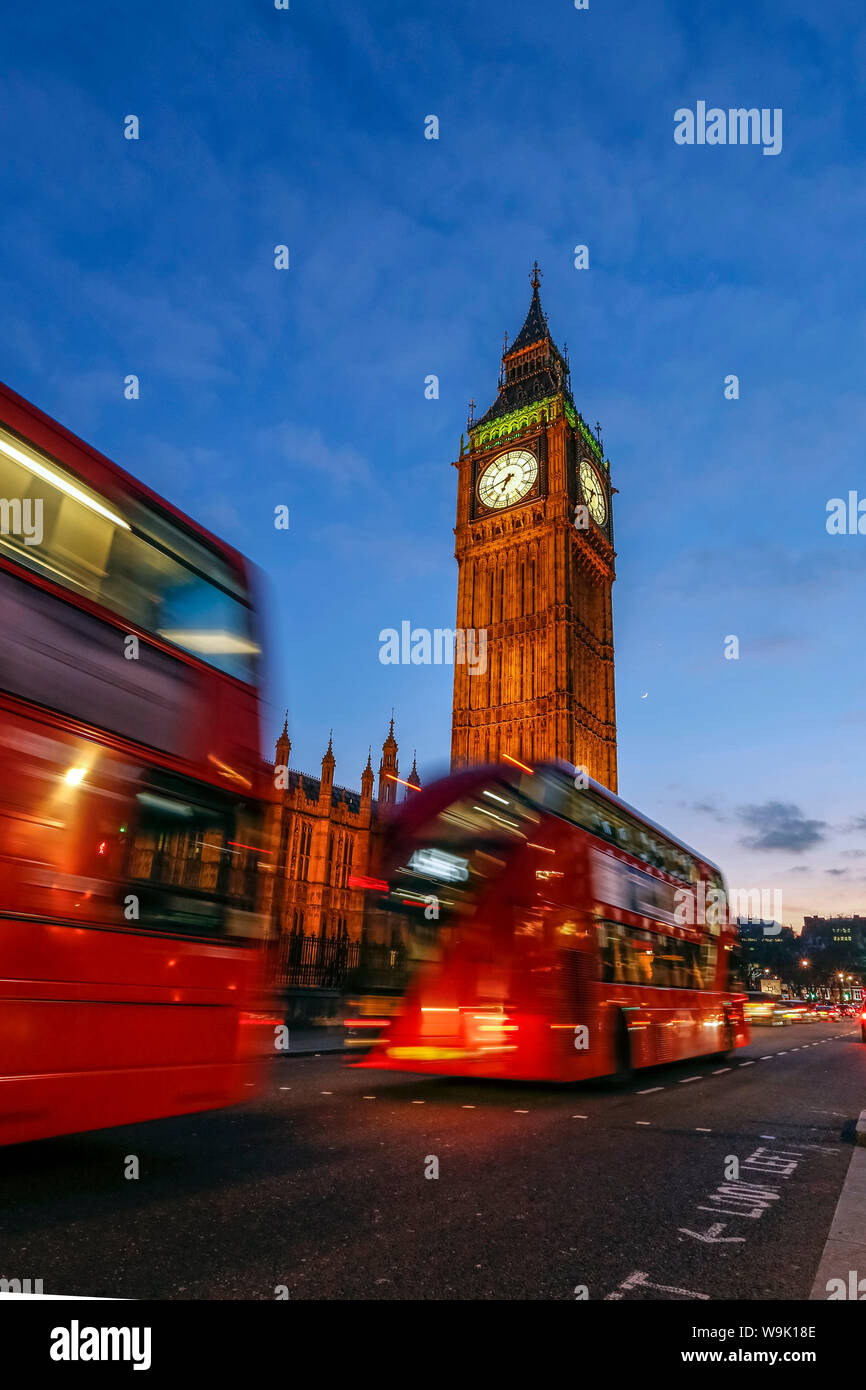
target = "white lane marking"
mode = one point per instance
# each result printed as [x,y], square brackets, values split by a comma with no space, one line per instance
[650,1090]
[768,1058]
[521,1112]
[285,1088]
[783,1053]
[747,1064]
[703,1131]
[720,1070]
[368,1097]
[643,1122]
[767,1136]
[326,1093]
[639,1279]
[580,1117]
[467,1107]
[418,1102]
[686,1079]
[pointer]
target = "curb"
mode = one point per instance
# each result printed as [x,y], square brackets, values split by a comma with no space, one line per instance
[318,1052]
[845,1250]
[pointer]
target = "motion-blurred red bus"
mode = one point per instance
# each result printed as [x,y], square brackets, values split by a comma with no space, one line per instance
[558,934]
[131,827]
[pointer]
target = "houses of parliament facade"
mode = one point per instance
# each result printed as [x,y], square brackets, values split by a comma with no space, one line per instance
[535,557]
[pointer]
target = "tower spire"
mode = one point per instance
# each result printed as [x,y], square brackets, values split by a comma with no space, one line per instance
[284,745]
[388,769]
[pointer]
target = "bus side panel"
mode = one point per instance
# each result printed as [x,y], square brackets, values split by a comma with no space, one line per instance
[37,1107]
[93,1024]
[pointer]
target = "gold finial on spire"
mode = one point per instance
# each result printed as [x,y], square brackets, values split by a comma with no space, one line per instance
[535,276]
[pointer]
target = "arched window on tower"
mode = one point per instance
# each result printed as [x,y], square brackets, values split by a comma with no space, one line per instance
[296,835]
[304,852]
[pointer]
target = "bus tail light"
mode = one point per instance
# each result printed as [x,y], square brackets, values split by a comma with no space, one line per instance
[491,1030]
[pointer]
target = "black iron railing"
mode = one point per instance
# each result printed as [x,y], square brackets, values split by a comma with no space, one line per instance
[315,962]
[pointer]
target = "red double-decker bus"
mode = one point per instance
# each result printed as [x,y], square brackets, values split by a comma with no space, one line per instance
[131,797]
[557,934]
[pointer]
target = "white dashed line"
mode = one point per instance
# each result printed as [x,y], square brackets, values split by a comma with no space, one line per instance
[650,1091]
[521,1112]
[686,1079]
[326,1093]
[747,1064]
[467,1107]
[643,1122]
[703,1131]
[720,1070]
[580,1117]
[418,1102]
[768,1058]
[368,1097]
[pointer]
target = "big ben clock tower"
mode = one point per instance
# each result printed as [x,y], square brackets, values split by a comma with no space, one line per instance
[534,547]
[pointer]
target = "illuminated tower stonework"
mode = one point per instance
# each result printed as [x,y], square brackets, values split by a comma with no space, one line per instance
[534,548]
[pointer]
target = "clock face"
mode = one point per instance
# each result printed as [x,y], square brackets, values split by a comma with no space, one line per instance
[593,492]
[508,478]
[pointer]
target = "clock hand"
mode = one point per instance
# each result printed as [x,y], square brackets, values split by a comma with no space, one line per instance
[506,482]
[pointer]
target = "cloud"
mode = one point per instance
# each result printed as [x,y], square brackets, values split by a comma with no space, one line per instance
[780,825]
[305,447]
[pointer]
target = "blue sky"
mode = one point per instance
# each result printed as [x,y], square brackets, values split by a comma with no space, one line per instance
[410,257]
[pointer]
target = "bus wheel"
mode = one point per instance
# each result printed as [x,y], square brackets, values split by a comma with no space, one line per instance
[622,1053]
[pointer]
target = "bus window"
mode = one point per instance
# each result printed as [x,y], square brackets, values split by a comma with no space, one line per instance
[608,955]
[707,957]
[641,958]
[190,865]
[83,544]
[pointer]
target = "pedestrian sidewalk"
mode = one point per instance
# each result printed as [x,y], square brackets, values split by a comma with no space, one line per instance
[307,1042]
[844,1256]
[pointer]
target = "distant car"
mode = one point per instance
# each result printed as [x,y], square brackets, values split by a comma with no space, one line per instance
[760,1009]
[793,1010]
[848,1011]
[827,1011]
[863,1025]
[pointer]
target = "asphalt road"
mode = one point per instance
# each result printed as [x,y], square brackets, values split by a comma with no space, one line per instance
[319,1185]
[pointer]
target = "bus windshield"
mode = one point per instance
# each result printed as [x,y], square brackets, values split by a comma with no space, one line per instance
[437,873]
